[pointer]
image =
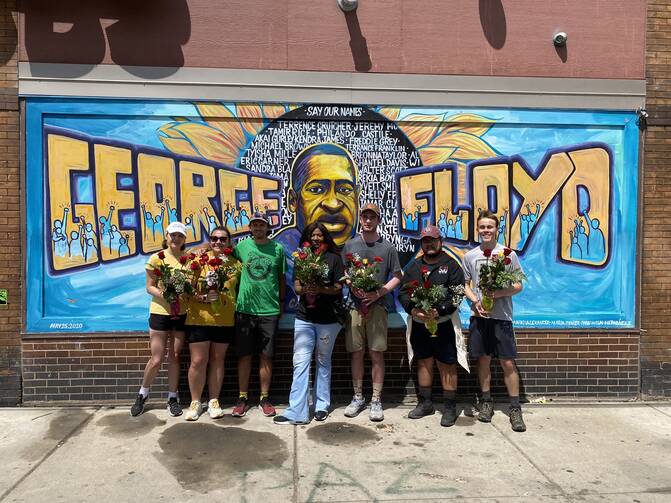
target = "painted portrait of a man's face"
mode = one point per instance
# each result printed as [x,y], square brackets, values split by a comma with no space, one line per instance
[324,189]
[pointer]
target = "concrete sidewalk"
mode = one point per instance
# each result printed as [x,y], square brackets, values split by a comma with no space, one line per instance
[570,452]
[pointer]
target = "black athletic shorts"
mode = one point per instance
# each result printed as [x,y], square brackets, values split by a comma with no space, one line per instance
[443,347]
[255,334]
[202,333]
[492,338]
[165,323]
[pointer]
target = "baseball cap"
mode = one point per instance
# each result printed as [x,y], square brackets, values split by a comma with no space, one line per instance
[177,227]
[261,217]
[371,207]
[430,231]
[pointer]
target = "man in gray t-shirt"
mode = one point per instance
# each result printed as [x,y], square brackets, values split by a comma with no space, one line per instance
[368,319]
[491,328]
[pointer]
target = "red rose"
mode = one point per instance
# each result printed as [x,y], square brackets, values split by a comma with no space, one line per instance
[414,282]
[195,266]
[161,255]
[357,263]
[487,253]
[425,270]
[191,256]
[157,273]
[411,291]
[379,259]
[507,261]
[507,251]
[228,251]
[302,255]
[183,259]
[203,259]
[427,284]
[322,248]
[306,245]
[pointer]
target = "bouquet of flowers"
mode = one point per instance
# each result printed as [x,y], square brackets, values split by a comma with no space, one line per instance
[220,271]
[426,296]
[173,282]
[497,274]
[360,273]
[310,268]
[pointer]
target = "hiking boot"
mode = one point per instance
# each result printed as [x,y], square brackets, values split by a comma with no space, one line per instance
[194,412]
[214,409]
[424,408]
[240,408]
[267,408]
[355,407]
[449,415]
[516,420]
[376,413]
[486,411]
[173,407]
[138,406]
[321,415]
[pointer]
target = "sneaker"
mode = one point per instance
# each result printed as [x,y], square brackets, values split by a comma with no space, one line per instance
[449,415]
[173,407]
[282,420]
[240,408]
[516,420]
[355,407]
[376,413]
[138,406]
[194,412]
[267,408]
[424,408]
[486,411]
[214,409]
[321,415]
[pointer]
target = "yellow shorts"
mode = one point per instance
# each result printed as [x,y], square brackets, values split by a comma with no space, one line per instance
[372,328]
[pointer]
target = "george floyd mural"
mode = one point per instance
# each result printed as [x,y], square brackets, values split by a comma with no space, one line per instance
[106,177]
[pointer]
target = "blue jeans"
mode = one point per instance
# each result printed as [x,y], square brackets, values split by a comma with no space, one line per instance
[306,336]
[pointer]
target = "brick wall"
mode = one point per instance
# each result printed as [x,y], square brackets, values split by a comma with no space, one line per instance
[551,364]
[10,271]
[656,274]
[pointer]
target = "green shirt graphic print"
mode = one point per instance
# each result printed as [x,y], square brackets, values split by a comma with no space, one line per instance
[262,266]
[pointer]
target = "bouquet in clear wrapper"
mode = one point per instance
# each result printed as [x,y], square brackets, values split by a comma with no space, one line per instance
[497,273]
[426,297]
[361,273]
[220,271]
[310,269]
[173,282]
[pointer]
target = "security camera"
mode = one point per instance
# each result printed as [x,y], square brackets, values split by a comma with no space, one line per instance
[559,39]
[348,5]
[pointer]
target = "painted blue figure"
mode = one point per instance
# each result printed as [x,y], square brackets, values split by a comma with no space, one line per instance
[450,229]
[115,237]
[76,249]
[230,221]
[533,217]
[124,249]
[244,219]
[172,212]
[596,242]
[188,222]
[148,221]
[581,236]
[576,251]
[458,232]
[211,221]
[502,228]
[59,235]
[442,225]
[105,222]
[524,229]
[90,249]
[158,224]
[236,222]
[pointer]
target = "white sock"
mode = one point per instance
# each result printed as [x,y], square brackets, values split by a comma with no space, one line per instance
[144,391]
[172,394]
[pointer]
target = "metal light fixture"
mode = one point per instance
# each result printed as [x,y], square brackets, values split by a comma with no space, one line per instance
[348,5]
[559,39]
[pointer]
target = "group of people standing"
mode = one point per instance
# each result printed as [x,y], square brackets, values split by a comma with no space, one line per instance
[247,316]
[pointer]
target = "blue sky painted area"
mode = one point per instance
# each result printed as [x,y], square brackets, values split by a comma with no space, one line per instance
[558,295]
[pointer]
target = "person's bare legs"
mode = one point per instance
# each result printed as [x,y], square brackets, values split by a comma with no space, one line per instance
[157,342]
[216,369]
[198,368]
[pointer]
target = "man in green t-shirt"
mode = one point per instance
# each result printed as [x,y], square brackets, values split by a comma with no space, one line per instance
[259,306]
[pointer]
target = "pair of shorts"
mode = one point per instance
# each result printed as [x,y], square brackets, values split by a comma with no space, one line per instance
[442,347]
[492,338]
[255,334]
[203,333]
[372,328]
[165,323]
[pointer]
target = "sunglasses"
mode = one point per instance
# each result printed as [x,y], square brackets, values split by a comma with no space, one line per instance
[218,239]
